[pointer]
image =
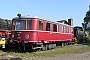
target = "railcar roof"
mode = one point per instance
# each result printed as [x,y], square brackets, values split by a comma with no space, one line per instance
[28,17]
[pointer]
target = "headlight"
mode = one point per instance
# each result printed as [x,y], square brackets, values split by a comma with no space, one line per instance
[12,35]
[27,36]
[3,38]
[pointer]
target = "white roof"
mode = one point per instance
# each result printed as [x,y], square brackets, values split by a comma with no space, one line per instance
[41,19]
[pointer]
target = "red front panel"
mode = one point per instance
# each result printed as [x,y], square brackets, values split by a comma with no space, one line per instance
[30,36]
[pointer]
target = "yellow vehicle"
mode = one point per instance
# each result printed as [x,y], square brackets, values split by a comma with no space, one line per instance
[4,38]
[3,42]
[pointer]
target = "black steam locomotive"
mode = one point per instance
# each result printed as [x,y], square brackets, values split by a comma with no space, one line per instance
[79,35]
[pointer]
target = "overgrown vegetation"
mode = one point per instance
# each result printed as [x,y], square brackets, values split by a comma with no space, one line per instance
[76,48]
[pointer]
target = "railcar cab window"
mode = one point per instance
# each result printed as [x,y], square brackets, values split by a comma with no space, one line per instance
[47,26]
[13,25]
[40,25]
[29,24]
[55,27]
[20,24]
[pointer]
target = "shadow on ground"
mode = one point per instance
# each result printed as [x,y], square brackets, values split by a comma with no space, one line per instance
[8,50]
[86,43]
[12,59]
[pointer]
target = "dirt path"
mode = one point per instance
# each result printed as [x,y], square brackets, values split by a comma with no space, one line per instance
[82,56]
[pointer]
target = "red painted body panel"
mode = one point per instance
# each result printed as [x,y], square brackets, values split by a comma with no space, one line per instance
[37,36]
[51,36]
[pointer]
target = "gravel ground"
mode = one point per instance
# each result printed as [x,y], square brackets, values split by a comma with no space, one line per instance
[83,56]
[79,56]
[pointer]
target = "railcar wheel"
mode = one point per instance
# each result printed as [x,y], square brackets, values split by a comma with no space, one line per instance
[53,46]
[22,47]
[44,47]
[66,43]
[62,44]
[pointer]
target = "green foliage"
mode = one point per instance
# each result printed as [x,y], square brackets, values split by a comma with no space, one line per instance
[87,18]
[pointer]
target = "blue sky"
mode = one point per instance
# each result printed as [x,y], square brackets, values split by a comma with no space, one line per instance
[49,9]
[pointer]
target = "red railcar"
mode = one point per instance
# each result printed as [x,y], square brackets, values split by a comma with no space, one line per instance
[5,33]
[34,32]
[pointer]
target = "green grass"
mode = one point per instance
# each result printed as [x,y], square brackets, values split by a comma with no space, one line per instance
[76,48]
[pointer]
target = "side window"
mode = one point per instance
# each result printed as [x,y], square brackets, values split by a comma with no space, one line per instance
[47,26]
[61,28]
[64,29]
[71,30]
[40,25]
[55,27]
[67,29]
[29,24]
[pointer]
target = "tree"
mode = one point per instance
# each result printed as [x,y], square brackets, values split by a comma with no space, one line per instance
[87,18]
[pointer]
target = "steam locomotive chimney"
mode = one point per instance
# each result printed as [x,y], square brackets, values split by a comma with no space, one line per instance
[70,22]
